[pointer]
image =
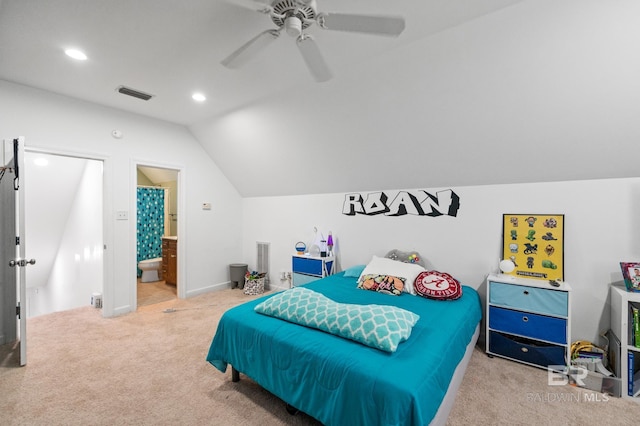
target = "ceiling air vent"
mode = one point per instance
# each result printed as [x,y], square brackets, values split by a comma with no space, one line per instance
[135,93]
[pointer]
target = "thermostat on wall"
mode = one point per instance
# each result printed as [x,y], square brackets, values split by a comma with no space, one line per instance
[206,206]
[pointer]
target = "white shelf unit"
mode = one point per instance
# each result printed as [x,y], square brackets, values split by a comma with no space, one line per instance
[528,321]
[622,327]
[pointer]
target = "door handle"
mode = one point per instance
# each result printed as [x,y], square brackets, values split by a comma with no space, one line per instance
[21,262]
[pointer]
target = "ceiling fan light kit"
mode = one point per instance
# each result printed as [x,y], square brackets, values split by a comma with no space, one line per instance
[293,25]
[295,16]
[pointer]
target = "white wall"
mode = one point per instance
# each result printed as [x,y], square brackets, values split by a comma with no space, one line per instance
[210,240]
[49,192]
[599,233]
[77,269]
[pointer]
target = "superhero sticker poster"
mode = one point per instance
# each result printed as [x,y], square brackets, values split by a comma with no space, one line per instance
[534,242]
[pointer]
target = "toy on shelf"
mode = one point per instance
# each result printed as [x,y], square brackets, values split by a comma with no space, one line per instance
[301,247]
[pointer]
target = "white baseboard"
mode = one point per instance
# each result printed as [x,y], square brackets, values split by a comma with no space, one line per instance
[209,289]
[277,287]
[121,311]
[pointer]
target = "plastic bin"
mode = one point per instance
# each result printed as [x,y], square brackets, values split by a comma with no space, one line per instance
[237,272]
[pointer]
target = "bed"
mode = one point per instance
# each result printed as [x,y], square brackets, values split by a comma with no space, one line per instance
[340,381]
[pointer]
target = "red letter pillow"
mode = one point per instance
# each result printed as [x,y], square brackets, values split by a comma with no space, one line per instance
[437,285]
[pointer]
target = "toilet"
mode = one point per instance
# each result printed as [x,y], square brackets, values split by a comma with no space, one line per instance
[150,269]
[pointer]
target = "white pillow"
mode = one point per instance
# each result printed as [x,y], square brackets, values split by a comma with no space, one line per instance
[384,266]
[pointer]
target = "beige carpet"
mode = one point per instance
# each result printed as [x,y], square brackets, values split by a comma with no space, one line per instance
[149,368]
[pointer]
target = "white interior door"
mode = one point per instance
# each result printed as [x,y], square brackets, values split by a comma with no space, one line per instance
[13,318]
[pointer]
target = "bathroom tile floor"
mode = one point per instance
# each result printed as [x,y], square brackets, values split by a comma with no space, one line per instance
[155,292]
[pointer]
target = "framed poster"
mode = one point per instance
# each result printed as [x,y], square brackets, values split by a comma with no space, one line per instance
[631,275]
[535,244]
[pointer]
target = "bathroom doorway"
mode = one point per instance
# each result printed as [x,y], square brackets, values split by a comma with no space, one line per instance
[156,234]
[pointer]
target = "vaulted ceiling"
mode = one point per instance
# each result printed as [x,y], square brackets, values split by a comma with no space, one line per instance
[472,92]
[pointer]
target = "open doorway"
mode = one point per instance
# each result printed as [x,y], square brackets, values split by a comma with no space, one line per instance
[156,235]
[64,232]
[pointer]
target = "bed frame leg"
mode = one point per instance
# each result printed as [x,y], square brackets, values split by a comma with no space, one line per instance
[235,375]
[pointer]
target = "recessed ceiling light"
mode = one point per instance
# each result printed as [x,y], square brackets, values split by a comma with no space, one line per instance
[199,97]
[76,54]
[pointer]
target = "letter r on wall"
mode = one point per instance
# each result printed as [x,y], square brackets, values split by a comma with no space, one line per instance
[352,204]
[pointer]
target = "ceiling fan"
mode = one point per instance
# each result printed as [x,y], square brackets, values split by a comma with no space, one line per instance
[294,17]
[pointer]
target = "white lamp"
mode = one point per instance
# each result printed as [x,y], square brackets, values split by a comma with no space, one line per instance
[507,266]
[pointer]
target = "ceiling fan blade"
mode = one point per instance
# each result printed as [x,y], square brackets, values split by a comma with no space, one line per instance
[250,49]
[255,5]
[313,58]
[370,24]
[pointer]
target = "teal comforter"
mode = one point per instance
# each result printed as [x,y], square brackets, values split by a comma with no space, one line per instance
[339,381]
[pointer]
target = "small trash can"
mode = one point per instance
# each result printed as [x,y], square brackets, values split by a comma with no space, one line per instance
[237,272]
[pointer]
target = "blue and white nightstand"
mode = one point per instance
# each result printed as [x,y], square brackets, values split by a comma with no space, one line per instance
[310,268]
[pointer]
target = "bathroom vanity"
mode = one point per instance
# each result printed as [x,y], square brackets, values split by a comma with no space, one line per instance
[170,259]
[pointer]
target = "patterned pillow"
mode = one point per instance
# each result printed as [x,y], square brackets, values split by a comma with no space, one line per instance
[406,257]
[378,326]
[437,285]
[387,284]
[384,266]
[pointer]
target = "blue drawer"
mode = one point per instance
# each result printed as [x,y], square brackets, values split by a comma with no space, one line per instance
[307,266]
[532,299]
[526,350]
[527,324]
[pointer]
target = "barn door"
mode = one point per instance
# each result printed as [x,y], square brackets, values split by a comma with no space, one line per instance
[13,318]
